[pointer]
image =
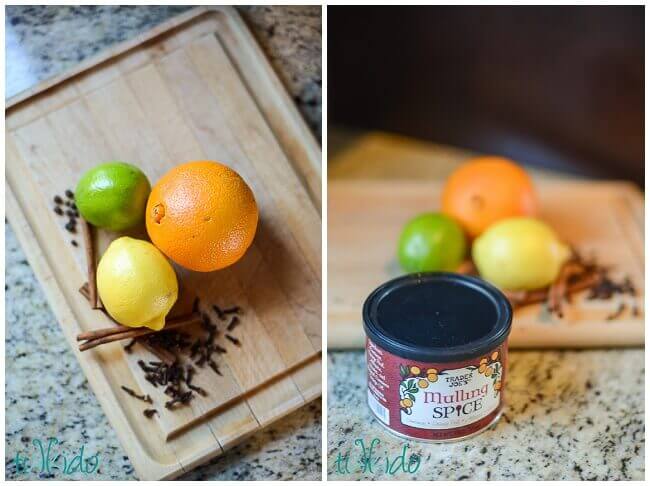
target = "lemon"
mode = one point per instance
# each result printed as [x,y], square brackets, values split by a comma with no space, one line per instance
[136,283]
[519,254]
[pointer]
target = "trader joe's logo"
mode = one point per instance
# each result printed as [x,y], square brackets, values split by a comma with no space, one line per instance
[438,399]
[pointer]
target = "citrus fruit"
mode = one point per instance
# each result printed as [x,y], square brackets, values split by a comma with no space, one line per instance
[486,190]
[519,254]
[113,196]
[136,283]
[202,215]
[431,242]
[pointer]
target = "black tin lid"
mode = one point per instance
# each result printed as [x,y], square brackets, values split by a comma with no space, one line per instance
[437,317]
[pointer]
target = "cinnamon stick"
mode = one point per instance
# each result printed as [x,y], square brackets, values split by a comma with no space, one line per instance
[118,333]
[558,289]
[521,298]
[90,262]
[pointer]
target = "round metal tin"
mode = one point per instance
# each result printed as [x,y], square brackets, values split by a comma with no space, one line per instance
[436,351]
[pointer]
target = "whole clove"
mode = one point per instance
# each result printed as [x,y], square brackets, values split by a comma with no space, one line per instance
[233,340]
[617,313]
[74,243]
[219,312]
[144,398]
[189,375]
[207,323]
[150,412]
[198,390]
[232,310]
[69,194]
[71,227]
[214,367]
[58,200]
[233,323]
[58,210]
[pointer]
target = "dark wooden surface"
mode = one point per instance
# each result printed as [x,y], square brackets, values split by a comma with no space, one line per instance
[557,87]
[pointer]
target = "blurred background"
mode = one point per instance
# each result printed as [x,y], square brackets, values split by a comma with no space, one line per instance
[558,88]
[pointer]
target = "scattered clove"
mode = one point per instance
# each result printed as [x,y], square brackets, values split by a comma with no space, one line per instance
[150,412]
[233,340]
[219,312]
[129,346]
[232,310]
[233,323]
[144,398]
[617,313]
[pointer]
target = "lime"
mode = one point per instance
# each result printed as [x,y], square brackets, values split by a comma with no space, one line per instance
[113,196]
[519,254]
[136,283]
[431,242]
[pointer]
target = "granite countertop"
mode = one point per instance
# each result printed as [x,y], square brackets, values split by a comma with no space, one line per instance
[570,415]
[46,392]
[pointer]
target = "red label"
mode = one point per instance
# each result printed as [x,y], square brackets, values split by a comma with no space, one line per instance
[435,401]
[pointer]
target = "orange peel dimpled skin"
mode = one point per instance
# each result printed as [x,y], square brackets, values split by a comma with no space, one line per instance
[488,189]
[202,215]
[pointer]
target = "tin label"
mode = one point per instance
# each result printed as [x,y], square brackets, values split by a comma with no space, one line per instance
[435,401]
[441,399]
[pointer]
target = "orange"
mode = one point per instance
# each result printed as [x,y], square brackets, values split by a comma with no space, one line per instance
[485,190]
[202,215]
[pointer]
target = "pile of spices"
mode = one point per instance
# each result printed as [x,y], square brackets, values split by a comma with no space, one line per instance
[67,207]
[173,374]
[174,348]
[577,274]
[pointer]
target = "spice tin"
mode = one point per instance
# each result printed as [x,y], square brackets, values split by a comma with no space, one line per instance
[436,351]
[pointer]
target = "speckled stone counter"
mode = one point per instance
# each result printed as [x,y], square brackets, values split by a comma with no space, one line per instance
[570,415]
[46,392]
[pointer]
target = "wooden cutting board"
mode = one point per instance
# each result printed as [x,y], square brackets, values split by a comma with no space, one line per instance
[599,218]
[197,87]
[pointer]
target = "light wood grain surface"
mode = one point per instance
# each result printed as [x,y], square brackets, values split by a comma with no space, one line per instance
[377,182]
[194,88]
